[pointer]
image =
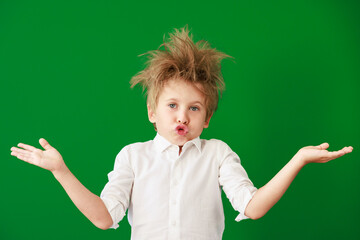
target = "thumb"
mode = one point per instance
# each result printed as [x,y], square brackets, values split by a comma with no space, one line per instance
[44,144]
[323,146]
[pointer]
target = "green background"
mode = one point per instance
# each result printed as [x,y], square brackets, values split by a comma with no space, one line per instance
[65,68]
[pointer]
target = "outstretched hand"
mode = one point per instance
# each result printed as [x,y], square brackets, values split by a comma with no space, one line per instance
[49,158]
[319,154]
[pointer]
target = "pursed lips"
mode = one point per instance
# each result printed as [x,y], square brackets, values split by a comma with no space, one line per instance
[182,129]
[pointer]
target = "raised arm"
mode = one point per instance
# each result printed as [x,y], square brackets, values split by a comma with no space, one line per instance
[266,197]
[88,203]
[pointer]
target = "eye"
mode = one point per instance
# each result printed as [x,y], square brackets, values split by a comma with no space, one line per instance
[172,105]
[194,108]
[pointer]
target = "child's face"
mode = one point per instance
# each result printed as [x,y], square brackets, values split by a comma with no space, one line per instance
[180,112]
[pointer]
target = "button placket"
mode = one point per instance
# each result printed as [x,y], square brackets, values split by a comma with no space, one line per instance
[173,206]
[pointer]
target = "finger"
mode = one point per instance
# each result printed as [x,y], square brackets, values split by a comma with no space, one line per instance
[20,151]
[23,157]
[44,144]
[14,154]
[27,147]
[344,150]
[347,149]
[340,153]
[323,146]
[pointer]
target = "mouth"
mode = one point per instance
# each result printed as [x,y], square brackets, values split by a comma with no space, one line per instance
[182,130]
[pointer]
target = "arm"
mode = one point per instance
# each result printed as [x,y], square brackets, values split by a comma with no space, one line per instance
[267,196]
[88,203]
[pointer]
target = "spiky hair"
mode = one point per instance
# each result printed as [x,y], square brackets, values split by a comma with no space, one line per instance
[180,58]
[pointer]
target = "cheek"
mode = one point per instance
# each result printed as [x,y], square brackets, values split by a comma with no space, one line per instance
[165,116]
[200,119]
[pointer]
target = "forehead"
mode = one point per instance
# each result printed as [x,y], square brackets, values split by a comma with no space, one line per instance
[182,90]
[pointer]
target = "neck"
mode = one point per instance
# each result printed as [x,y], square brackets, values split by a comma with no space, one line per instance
[180,149]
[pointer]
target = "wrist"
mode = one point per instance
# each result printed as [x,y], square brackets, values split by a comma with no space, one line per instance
[61,172]
[299,160]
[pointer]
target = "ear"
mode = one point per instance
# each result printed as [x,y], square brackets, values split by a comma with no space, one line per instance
[206,123]
[151,114]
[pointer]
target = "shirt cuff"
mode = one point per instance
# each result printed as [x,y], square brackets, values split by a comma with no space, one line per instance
[115,210]
[240,217]
[246,199]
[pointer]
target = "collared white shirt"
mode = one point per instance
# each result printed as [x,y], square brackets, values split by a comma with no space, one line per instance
[172,196]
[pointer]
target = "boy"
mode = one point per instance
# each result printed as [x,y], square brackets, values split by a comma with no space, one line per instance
[171,185]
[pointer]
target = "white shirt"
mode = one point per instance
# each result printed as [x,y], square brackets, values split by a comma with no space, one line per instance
[172,196]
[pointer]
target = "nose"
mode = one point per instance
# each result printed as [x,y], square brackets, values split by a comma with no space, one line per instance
[182,117]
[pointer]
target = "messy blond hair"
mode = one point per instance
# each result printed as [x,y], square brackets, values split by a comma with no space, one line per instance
[181,58]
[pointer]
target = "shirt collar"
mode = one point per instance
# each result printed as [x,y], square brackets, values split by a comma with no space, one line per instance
[162,144]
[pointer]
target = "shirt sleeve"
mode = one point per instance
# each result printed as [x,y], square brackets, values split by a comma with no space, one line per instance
[116,193]
[235,182]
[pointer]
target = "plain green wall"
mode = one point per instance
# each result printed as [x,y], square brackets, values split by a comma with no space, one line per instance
[64,73]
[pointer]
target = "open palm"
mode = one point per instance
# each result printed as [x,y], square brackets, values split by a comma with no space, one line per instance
[49,158]
[319,154]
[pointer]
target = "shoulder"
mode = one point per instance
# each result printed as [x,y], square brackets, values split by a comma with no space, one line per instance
[138,146]
[214,144]
[219,149]
[216,147]
[133,150]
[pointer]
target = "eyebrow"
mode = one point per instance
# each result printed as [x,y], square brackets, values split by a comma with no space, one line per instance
[191,103]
